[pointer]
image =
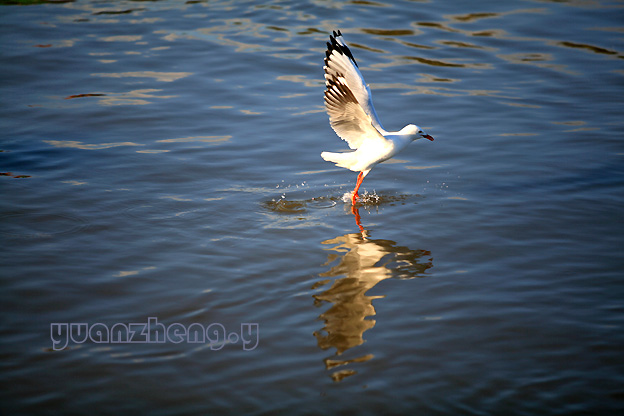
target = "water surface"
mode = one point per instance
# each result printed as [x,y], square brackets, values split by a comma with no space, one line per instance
[162,160]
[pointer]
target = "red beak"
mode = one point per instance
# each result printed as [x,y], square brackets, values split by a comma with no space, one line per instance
[426,136]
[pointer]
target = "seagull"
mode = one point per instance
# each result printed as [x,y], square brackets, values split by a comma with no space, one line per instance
[349,104]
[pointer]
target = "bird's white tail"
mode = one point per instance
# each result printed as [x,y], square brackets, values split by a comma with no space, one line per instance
[343,160]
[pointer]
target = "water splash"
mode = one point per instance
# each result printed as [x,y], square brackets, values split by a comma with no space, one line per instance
[373,198]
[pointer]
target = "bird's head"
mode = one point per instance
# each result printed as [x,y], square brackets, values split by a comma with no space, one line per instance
[415,131]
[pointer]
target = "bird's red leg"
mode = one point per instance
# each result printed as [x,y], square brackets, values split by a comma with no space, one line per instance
[358,219]
[360,178]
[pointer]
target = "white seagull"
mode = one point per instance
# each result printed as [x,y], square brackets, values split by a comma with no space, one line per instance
[349,104]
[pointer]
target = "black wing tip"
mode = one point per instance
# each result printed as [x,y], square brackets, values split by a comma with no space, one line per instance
[341,48]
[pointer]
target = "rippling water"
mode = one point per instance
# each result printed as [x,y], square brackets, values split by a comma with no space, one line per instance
[160,164]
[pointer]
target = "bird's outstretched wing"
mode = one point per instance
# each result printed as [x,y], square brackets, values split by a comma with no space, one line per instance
[347,97]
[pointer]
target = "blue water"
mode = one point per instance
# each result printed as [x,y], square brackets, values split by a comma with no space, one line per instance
[161,160]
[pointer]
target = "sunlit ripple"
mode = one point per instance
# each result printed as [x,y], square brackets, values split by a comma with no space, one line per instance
[159,76]
[84,146]
[201,139]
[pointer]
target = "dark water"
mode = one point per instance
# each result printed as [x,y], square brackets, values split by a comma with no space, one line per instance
[161,164]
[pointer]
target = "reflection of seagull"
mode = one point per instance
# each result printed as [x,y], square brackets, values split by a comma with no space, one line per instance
[361,264]
[349,104]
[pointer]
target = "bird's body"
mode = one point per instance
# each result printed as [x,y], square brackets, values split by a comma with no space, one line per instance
[370,153]
[351,113]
